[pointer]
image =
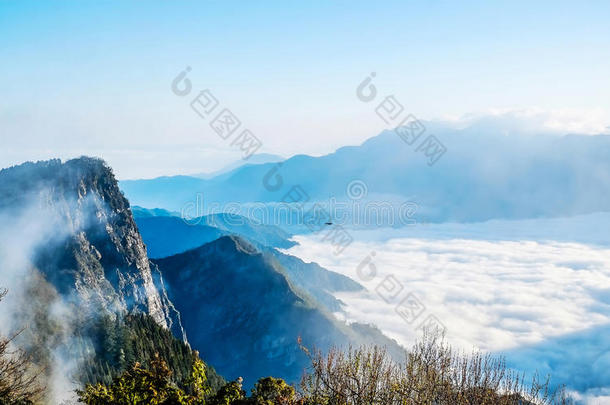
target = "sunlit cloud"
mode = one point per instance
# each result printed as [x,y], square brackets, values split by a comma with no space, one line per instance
[513,296]
[537,120]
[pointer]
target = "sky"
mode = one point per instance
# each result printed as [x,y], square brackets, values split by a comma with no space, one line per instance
[95,77]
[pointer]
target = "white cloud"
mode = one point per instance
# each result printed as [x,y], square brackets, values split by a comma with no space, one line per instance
[537,120]
[516,296]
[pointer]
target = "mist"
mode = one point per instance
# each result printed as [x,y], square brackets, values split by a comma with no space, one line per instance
[48,318]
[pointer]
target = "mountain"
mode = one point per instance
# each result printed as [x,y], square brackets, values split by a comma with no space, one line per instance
[168,235]
[141,212]
[71,256]
[253,229]
[315,280]
[257,158]
[245,316]
[484,174]
[81,279]
[89,248]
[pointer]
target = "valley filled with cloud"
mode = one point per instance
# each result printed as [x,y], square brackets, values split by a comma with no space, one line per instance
[533,290]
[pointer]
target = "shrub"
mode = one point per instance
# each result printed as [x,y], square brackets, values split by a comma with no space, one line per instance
[18,379]
[432,373]
[147,386]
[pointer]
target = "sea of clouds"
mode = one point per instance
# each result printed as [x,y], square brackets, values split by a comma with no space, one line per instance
[537,291]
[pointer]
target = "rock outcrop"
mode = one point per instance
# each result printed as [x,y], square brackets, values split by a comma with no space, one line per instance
[90,251]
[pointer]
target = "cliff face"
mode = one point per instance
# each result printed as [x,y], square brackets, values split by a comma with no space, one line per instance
[91,249]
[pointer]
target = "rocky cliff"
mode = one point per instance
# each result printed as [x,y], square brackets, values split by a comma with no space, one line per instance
[90,249]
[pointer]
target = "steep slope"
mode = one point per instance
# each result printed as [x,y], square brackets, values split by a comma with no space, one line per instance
[123,341]
[245,316]
[82,237]
[314,279]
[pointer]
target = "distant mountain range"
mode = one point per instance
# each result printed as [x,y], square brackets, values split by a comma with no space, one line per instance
[483,175]
[141,212]
[258,158]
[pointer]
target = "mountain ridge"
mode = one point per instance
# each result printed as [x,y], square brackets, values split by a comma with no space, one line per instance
[482,176]
[163,241]
[262,312]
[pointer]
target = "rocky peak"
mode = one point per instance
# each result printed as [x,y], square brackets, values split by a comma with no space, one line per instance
[93,252]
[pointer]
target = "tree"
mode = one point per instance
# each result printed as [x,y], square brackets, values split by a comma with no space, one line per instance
[432,373]
[148,386]
[121,341]
[230,393]
[362,376]
[198,382]
[272,391]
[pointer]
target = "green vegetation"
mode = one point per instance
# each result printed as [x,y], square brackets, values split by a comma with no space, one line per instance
[154,386]
[431,374]
[137,362]
[267,391]
[148,386]
[120,343]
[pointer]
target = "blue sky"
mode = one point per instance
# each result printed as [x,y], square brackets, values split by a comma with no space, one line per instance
[94,77]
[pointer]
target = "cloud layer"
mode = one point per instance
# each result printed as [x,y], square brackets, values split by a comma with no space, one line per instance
[542,302]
